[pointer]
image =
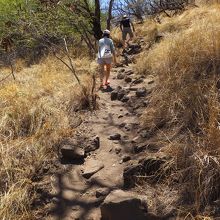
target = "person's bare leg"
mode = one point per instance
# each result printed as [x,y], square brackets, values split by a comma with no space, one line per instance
[101,73]
[124,44]
[108,70]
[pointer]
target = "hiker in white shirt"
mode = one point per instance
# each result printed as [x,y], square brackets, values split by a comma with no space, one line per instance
[106,55]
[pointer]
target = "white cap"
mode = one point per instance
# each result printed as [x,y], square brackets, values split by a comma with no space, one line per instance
[125,16]
[106,31]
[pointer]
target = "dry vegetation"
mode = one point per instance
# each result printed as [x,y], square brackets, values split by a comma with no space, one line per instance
[35,114]
[185,105]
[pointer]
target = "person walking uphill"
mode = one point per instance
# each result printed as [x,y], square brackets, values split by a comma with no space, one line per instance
[106,55]
[125,26]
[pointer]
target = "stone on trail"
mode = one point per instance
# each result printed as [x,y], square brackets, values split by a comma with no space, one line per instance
[138,81]
[129,72]
[126,158]
[125,99]
[71,152]
[91,167]
[103,192]
[130,175]
[121,94]
[120,75]
[115,137]
[114,95]
[118,150]
[139,148]
[121,205]
[93,144]
[141,92]
[128,79]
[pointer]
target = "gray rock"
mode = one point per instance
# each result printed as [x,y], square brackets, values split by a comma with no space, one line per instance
[118,88]
[126,158]
[141,92]
[114,95]
[121,94]
[115,137]
[93,145]
[133,49]
[103,192]
[130,175]
[128,79]
[145,134]
[122,70]
[120,75]
[138,81]
[139,148]
[71,152]
[121,205]
[151,82]
[123,124]
[129,72]
[117,150]
[91,167]
[125,99]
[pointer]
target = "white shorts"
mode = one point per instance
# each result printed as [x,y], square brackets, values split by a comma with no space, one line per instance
[103,61]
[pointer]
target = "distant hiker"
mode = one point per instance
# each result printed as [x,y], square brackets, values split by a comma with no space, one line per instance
[127,27]
[106,54]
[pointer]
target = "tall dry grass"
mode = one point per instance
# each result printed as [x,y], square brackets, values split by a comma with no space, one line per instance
[34,116]
[186,101]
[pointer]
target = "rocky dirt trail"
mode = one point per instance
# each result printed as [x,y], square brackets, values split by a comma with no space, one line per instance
[97,179]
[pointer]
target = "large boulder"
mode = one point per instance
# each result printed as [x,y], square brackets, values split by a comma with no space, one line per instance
[121,205]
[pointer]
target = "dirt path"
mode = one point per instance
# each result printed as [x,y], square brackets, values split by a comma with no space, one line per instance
[78,195]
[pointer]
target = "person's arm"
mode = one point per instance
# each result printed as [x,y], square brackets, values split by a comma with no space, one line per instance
[121,26]
[113,52]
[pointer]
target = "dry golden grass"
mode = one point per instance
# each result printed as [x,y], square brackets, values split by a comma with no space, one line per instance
[186,99]
[34,116]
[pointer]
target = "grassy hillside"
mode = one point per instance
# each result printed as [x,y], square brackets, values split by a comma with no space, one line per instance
[36,113]
[184,109]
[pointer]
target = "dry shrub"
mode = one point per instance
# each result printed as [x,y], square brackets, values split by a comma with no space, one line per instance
[34,116]
[186,99]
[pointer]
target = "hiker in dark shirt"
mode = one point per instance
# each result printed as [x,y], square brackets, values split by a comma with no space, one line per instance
[127,27]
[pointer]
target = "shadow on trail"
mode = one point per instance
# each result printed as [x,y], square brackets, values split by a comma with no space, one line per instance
[63,205]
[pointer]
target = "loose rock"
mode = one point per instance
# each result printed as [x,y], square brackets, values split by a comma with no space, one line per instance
[117,150]
[115,137]
[126,158]
[125,99]
[120,75]
[141,92]
[120,205]
[91,167]
[139,148]
[114,95]
[102,192]
[130,173]
[121,94]
[128,79]
[93,145]
[138,81]
[129,72]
